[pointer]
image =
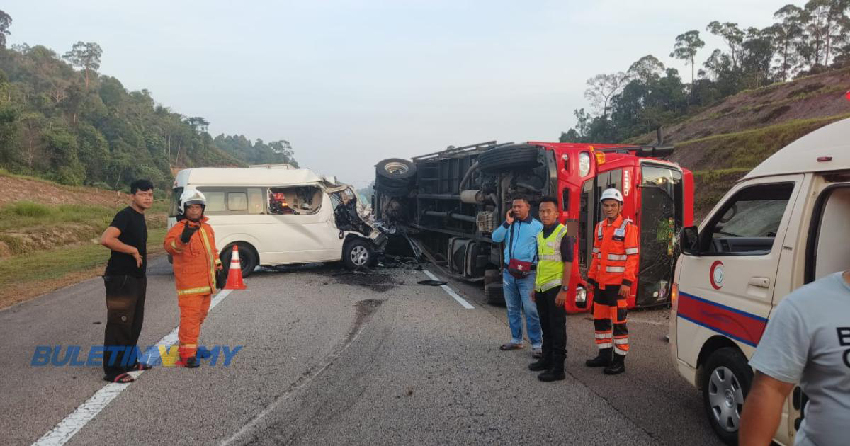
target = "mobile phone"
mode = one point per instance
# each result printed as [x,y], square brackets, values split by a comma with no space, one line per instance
[511,213]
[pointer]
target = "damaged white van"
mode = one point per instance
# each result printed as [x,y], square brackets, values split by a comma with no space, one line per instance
[783,225]
[281,216]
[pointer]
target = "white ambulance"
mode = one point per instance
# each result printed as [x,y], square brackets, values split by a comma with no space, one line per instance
[276,215]
[783,225]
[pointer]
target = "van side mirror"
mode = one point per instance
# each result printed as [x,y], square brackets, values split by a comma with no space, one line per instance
[689,239]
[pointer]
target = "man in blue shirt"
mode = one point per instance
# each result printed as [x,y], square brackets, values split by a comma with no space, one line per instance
[519,234]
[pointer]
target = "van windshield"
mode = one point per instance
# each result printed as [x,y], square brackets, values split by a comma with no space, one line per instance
[173,210]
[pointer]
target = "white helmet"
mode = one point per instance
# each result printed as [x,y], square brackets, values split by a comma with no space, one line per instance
[611,194]
[189,196]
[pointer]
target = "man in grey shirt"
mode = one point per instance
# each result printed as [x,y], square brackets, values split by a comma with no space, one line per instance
[807,340]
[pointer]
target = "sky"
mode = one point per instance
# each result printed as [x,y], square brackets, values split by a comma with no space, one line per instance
[350,83]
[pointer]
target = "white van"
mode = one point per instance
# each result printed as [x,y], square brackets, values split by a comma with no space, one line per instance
[279,216]
[782,226]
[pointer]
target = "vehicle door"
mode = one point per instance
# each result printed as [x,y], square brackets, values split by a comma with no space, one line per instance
[305,230]
[727,280]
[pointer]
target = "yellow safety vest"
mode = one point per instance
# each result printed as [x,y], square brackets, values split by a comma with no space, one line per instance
[550,267]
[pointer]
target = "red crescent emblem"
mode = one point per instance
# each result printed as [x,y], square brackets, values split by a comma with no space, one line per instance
[715,275]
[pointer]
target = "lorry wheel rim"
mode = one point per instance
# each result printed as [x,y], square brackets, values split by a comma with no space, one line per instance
[359,255]
[726,398]
[396,168]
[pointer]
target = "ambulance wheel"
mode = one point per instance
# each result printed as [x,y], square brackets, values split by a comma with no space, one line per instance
[358,254]
[726,382]
[247,259]
[508,158]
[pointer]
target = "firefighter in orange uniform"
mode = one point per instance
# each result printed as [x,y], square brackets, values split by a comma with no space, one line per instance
[612,274]
[191,243]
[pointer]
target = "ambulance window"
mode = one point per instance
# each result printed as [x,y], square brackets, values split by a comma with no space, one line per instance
[749,222]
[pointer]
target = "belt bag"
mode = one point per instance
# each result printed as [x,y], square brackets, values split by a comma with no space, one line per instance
[519,269]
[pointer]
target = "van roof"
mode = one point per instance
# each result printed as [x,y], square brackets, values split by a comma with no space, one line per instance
[242,176]
[824,150]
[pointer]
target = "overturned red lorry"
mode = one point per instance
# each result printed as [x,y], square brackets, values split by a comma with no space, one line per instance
[449,202]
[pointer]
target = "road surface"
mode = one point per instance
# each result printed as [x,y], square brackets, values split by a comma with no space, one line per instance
[332,357]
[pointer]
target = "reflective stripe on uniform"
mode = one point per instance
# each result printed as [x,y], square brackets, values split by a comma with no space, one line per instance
[596,250]
[198,290]
[615,269]
[631,251]
[604,345]
[621,341]
[210,254]
[617,257]
[620,351]
[550,258]
[549,285]
[603,335]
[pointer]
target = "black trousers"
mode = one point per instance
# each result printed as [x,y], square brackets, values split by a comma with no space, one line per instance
[553,322]
[125,308]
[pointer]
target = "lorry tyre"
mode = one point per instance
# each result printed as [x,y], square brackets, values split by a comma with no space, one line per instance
[494,294]
[357,254]
[246,258]
[726,382]
[507,158]
[395,172]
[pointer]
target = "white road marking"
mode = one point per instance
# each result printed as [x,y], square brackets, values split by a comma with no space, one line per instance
[450,291]
[86,412]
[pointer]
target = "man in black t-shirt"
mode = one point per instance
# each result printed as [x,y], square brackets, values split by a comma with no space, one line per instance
[126,283]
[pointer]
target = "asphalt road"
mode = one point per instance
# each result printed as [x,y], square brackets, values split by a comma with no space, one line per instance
[331,357]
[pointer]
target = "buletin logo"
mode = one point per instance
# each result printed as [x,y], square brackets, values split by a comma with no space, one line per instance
[716,275]
[155,355]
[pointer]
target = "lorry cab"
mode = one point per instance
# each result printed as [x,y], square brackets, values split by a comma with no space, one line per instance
[279,216]
[780,227]
[451,201]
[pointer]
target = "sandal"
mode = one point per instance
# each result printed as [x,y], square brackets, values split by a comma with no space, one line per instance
[510,346]
[140,366]
[121,378]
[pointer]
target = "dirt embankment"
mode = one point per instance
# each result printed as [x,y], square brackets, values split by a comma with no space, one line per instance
[723,142]
[39,191]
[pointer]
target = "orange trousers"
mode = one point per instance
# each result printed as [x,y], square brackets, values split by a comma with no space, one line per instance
[193,311]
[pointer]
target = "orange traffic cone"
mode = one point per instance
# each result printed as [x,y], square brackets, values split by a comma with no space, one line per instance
[234,276]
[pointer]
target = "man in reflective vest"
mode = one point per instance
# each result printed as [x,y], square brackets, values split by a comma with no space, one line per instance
[612,273]
[191,243]
[554,264]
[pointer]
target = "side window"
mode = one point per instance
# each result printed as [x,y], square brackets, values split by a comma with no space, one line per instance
[302,200]
[749,222]
[215,202]
[256,204]
[237,201]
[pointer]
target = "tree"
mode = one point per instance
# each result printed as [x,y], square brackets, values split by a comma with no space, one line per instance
[602,87]
[732,35]
[647,69]
[5,22]
[786,34]
[756,56]
[85,55]
[686,48]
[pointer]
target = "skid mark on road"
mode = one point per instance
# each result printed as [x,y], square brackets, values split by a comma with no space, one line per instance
[364,311]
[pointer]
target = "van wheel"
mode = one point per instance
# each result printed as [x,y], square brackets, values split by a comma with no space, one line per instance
[726,383]
[357,254]
[246,259]
[500,159]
